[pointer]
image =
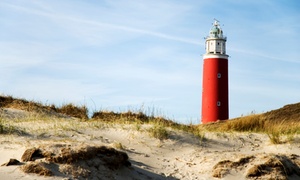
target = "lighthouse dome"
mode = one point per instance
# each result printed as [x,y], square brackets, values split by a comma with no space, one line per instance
[216,31]
[215,41]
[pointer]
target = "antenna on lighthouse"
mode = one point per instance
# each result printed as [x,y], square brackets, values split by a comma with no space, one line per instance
[216,22]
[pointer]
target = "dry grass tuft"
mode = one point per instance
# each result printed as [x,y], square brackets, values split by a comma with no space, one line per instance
[3,128]
[77,172]
[222,168]
[11,162]
[124,116]
[113,158]
[249,123]
[159,132]
[118,145]
[279,166]
[74,111]
[274,166]
[283,121]
[290,112]
[37,168]
[77,161]
[274,137]
[31,106]
[22,104]
[31,154]
[6,128]
[131,117]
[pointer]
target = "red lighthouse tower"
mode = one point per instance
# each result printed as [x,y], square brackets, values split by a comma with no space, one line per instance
[215,77]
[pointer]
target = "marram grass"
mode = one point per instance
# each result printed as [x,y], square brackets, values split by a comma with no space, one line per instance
[276,124]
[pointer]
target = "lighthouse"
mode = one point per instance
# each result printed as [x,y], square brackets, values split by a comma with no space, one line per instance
[215,77]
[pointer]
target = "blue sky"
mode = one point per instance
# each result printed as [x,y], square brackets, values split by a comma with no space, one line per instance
[147,54]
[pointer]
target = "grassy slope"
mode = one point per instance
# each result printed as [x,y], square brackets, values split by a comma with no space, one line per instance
[283,121]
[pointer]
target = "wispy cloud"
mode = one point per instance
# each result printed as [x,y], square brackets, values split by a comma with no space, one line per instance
[82,22]
[265,56]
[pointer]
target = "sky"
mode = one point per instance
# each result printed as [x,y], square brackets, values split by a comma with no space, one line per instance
[148,54]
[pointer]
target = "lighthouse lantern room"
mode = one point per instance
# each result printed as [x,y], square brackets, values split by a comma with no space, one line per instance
[215,77]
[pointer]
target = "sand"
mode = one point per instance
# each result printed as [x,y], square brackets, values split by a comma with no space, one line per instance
[219,155]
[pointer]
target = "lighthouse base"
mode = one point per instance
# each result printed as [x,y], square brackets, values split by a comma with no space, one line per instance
[215,89]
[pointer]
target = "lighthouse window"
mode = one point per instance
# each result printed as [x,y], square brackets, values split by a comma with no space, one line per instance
[219,75]
[218,103]
[218,43]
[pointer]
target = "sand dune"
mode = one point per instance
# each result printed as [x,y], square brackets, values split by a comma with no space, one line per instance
[182,155]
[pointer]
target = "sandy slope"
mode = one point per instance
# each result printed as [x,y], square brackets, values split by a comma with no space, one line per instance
[181,156]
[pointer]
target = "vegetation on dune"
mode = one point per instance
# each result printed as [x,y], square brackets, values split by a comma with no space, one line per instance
[32,106]
[73,111]
[37,168]
[269,166]
[125,116]
[159,132]
[130,117]
[6,128]
[276,123]
[290,112]
[283,121]
[22,104]
[48,121]
[79,161]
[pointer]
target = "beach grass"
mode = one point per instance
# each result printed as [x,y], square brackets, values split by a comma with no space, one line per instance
[283,122]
